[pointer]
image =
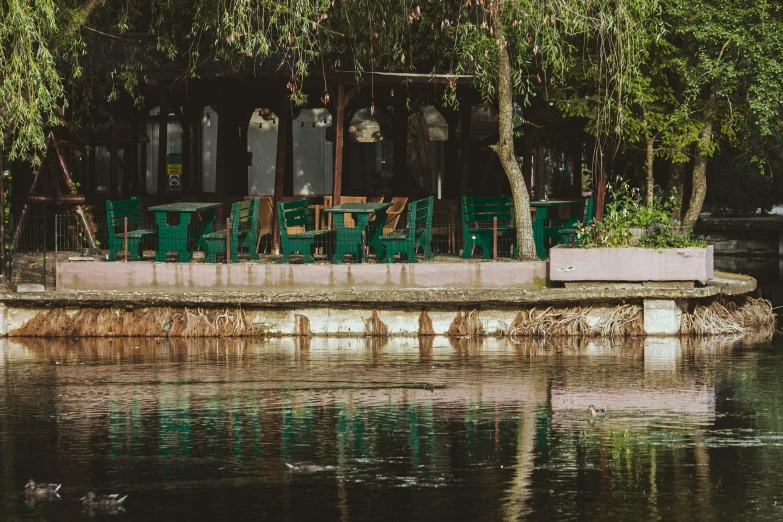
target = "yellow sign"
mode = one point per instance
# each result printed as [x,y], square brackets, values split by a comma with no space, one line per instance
[174,169]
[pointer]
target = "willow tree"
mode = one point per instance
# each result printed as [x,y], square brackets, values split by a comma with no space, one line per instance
[519,48]
[513,48]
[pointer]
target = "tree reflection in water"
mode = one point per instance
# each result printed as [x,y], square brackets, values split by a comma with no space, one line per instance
[434,428]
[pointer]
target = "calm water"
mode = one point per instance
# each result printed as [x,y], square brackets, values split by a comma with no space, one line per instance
[201,430]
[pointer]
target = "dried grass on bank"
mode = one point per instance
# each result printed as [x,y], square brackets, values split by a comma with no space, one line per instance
[466,325]
[727,317]
[150,322]
[622,321]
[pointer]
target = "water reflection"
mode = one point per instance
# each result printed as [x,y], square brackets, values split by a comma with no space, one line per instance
[437,429]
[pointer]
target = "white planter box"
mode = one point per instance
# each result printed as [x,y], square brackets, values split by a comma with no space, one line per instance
[630,264]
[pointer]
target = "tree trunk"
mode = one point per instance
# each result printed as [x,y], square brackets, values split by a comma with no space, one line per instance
[505,151]
[649,192]
[676,187]
[699,190]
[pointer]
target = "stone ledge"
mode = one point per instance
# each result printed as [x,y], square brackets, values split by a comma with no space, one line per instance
[724,283]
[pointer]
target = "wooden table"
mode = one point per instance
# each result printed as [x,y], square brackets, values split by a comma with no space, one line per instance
[186,233]
[349,239]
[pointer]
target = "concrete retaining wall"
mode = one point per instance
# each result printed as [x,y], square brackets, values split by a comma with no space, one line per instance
[630,264]
[143,276]
[652,317]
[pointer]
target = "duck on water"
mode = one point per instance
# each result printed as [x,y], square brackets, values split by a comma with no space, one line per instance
[595,412]
[42,490]
[105,503]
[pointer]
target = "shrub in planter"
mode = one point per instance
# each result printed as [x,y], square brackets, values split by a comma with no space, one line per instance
[612,249]
[630,222]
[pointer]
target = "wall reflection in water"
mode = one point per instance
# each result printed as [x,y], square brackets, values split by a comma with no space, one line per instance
[436,428]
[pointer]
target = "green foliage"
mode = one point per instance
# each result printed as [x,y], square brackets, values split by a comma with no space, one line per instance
[625,211]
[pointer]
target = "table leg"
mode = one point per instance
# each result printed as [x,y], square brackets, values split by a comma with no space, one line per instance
[163,236]
[349,239]
[374,233]
[172,238]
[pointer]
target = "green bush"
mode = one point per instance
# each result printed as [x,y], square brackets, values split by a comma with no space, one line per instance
[624,211]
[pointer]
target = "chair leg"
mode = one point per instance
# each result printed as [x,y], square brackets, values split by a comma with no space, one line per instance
[389,251]
[428,255]
[467,249]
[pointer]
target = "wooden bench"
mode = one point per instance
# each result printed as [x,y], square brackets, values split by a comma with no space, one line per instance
[477,222]
[417,233]
[116,212]
[244,232]
[299,214]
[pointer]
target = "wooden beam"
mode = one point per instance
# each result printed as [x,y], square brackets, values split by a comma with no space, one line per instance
[283,132]
[163,124]
[339,130]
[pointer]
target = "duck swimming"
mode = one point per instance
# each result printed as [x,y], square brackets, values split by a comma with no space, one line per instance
[595,412]
[106,503]
[41,491]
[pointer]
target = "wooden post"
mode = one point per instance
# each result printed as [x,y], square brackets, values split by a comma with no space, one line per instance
[114,168]
[494,238]
[163,124]
[228,240]
[283,132]
[339,131]
[125,239]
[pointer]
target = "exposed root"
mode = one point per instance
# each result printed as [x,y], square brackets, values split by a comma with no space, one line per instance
[374,327]
[727,317]
[425,324]
[150,322]
[466,325]
[622,321]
